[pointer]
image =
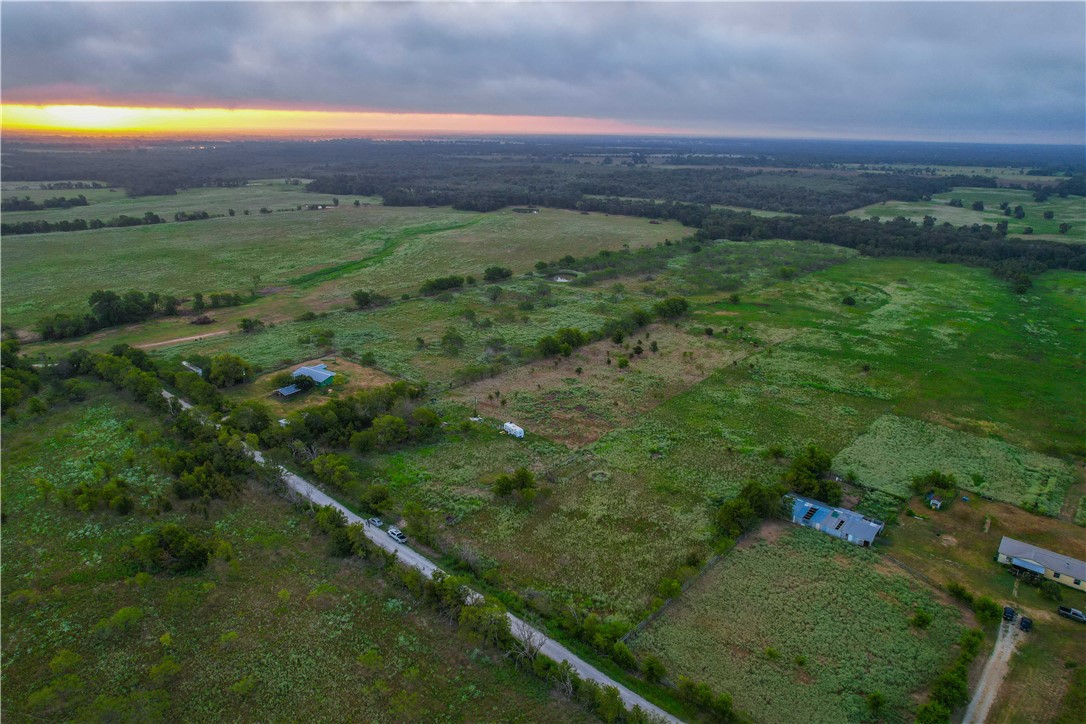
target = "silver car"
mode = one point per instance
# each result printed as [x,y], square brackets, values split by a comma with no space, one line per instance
[396,535]
[376,522]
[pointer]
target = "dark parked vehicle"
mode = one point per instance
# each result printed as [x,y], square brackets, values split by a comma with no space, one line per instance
[1009,613]
[1073,613]
[1026,624]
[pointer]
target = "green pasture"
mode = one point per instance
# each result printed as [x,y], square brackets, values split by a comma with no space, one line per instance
[320,255]
[273,624]
[805,626]
[1071,210]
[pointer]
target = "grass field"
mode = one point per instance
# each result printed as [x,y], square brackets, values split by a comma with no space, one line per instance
[805,626]
[1071,210]
[275,626]
[273,194]
[319,255]
[894,450]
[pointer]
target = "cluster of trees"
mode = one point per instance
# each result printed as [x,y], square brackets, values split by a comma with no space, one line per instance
[519,481]
[365,298]
[808,475]
[46,227]
[211,464]
[108,309]
[441,284]
[562,342]
[216,300]
[18,379]
[191,216]
[494,274]
[105,490]
[14,203]
[170,548]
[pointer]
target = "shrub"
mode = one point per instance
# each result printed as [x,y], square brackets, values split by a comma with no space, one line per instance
[653,669]
[671,307]
[620,652]
[921,619]
[496,274]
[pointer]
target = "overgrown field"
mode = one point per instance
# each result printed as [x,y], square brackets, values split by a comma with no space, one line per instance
[806,626]
[895,449]
[272,625]
[1070,210]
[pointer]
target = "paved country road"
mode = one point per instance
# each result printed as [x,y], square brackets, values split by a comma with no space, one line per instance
[405,554]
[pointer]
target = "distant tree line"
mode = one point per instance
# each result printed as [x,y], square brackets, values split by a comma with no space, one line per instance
[14,203]
[46,227]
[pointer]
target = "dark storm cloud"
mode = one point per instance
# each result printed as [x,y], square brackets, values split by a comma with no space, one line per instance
[984,71]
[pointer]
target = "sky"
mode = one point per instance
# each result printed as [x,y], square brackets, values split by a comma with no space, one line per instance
[935,71]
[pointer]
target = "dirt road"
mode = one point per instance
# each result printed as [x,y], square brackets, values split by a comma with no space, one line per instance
[994,672]
[179,340]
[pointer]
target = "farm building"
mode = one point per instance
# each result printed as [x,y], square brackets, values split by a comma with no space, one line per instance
[838,522]
[318,373]
[192,368]
[1053,566]
[514,430]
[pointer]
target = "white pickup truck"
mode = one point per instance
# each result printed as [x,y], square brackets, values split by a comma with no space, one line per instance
[1073,613]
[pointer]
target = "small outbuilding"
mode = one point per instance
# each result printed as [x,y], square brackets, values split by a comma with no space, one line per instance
[192,368]
[936,503]
[514,430]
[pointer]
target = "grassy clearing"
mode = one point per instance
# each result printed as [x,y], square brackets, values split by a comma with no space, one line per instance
[280,627]
[1069,210]
[807,624]
[895,449]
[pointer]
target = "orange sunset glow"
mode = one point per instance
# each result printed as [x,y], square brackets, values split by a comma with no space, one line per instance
[97,120]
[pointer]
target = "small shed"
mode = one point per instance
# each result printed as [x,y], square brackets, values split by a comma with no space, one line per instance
[192,368]
[514,430]
[936,503]
[287,391]
[318,373]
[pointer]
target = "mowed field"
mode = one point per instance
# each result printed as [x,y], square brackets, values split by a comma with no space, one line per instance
[273,624]
[1070,210]
[319,254]
[802,626]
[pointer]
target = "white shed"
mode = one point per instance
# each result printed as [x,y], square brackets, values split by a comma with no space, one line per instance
[514,430]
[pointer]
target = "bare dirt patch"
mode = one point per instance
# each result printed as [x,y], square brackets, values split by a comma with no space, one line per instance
[768,532]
